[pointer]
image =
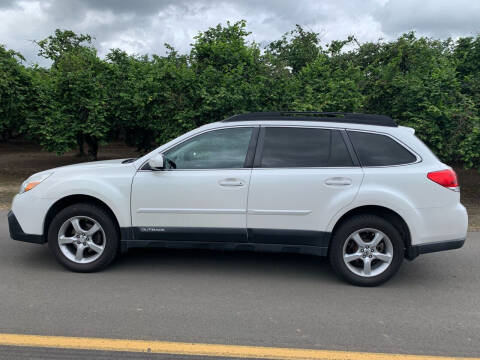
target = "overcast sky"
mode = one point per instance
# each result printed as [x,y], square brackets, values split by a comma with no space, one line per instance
[143,26]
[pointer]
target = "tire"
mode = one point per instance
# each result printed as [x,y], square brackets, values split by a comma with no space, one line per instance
[94,233]
[354,257]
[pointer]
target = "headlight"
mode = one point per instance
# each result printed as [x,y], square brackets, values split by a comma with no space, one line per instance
[33,181]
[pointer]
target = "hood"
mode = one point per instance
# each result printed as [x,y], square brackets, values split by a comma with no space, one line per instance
[103,163]
[89,165]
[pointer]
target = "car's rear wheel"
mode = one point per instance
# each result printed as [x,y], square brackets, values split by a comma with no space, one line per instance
[366,250]
[83,237]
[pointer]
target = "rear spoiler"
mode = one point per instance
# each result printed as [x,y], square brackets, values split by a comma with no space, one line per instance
[409,129]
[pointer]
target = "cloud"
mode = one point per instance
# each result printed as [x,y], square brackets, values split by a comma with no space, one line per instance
[430,17]
[143,26]
[6,4]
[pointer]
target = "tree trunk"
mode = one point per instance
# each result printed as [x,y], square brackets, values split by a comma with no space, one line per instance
[81,152]
[5,136]
[92,143]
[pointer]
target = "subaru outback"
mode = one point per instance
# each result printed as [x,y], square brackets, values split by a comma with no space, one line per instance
[356,188]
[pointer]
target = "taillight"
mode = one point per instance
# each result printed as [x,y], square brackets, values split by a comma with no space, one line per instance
[447,178]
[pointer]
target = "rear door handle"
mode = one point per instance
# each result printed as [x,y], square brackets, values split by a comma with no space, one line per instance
[338,181]
[231,182]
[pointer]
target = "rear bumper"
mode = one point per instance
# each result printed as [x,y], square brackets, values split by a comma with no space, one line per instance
[414,250]
[17,233]
[437,225]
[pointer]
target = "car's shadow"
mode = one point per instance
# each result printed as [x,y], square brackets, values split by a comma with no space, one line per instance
[230,264]
[225,262]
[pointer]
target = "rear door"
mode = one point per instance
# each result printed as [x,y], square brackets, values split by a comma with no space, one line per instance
[301,178]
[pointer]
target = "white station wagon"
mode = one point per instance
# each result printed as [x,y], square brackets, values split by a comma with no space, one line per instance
[354,187]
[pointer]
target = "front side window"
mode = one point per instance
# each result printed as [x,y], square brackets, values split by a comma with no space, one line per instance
[379,150]
[218,149]
[303,147]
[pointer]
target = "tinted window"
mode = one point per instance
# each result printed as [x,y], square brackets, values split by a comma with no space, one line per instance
[303,147]
[218,149]
[379,150]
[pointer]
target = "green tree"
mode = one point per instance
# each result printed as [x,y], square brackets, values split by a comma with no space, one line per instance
[431,85]
[74,97]
[231,75]
[60,43]
[467,57]
[415,81]
[15,93]
[296,49]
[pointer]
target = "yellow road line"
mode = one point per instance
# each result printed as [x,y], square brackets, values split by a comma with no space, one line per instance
[178,348]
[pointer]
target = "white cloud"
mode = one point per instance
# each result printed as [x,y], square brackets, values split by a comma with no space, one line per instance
[430,17]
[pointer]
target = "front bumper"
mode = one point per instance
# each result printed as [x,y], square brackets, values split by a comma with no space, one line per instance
[17,233]
[414,250]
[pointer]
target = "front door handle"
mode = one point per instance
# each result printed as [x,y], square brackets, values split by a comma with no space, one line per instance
[231,182]
[338,181]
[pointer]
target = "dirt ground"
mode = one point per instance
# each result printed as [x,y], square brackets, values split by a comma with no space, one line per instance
[470,195]
[20,160]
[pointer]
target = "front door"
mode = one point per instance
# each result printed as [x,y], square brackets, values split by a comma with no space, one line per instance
[202,193]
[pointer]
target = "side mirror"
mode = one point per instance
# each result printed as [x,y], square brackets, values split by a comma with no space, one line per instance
[157,162]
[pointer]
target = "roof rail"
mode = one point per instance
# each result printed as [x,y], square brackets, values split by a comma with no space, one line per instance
[342,117]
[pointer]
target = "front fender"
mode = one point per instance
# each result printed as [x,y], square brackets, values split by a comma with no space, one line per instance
[113,189]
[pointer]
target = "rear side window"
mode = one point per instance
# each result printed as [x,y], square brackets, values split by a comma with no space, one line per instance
[379,150]
[303,147]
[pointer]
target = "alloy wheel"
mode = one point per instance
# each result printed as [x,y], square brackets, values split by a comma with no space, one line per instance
[81,239]
[368,252]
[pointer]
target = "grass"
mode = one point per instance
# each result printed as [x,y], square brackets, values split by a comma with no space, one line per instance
[20,160]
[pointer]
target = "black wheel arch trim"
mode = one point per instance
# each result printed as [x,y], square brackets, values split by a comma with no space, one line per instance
[17,233]
[413,251]
[68,200]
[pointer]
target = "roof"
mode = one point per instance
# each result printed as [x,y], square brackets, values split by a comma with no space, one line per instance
[337,117]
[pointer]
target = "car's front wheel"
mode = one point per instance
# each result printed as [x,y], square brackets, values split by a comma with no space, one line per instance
[366,250]
[83,237]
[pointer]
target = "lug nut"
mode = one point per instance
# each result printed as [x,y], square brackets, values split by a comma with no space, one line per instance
[361,250]
[370,256]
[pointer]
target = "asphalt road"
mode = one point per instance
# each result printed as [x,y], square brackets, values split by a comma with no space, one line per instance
[20,353]
[431,307]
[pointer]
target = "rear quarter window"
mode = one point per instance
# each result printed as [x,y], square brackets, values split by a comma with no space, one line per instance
[379,150]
